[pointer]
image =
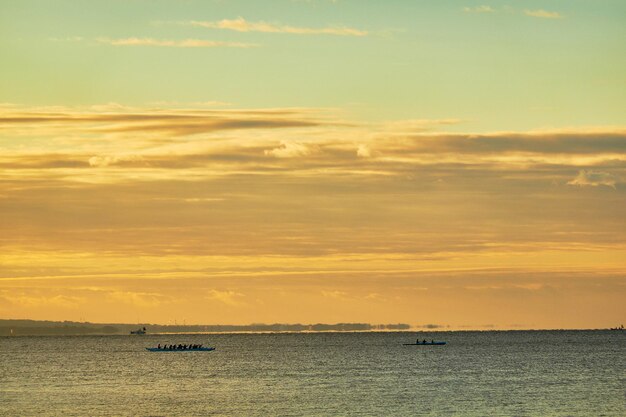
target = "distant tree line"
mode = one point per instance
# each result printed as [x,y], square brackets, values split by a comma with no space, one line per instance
[55,328]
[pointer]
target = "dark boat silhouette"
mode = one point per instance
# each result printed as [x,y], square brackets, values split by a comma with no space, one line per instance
[200,349]
[425,344]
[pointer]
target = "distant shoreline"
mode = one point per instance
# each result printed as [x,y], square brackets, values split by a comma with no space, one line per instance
[10,328]
[2,335]
[69,328]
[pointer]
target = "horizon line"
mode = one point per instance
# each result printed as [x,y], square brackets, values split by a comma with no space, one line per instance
[381,327]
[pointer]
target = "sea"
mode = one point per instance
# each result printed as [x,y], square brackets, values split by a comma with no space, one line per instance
[487,373]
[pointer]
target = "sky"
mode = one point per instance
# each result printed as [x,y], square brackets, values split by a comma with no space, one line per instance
[459,164]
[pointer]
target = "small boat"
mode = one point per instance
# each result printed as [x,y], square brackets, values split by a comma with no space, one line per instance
[425,344]
[200,349]
[138,331]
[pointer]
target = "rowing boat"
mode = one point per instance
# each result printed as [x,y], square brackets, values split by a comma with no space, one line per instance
[202,349]
[425,344]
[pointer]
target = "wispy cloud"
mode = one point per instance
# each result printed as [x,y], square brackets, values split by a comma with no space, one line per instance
[228,297]
[363,151]
[168,140]
[543,14]
[335,294]
[242,25]
[290,150]
[178,122]
[137,298]
[479,9]
[539,13]
[43,300]
[184,43]
[103,161]
[557,142]
[589,178]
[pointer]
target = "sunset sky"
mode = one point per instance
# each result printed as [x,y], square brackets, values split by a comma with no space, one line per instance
[458,163]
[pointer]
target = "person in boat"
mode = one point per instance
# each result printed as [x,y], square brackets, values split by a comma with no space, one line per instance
[424,342]
[159,346]
[432,341]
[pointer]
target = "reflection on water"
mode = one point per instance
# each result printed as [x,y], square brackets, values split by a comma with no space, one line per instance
[477,373]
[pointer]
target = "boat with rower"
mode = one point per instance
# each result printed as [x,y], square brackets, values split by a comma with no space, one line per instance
[180,348]
[425,343]
[138,331]
[201,349]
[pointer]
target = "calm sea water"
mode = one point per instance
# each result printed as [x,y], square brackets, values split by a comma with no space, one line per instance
[551,373]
